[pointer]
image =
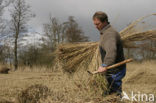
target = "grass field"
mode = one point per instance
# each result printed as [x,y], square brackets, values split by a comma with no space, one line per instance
[140,78]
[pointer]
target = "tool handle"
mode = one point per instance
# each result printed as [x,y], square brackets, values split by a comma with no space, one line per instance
[120,63]
[116,65]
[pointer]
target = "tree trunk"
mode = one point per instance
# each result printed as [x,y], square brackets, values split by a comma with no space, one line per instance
[15,53]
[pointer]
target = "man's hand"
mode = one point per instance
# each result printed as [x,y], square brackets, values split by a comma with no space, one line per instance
[102,69]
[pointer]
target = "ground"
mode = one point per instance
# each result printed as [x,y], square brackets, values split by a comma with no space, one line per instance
[140,79]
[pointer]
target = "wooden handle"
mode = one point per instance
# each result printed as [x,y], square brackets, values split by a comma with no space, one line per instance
[115,65]
[120,63]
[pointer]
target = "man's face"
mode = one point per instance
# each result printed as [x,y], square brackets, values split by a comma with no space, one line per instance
[98,24]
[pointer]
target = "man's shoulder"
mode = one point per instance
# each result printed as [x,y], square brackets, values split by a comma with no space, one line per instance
[111,29]
[111,32]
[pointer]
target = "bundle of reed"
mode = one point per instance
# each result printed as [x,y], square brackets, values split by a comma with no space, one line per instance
[131,28]
[140,40]
[77,55]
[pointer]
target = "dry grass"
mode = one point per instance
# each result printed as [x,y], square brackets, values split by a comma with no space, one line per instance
[142,75]
[66,89]
[33,94]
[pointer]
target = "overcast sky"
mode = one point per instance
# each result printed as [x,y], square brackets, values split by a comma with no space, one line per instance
[120,12]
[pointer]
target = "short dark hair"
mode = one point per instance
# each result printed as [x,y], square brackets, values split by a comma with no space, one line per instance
[101,16]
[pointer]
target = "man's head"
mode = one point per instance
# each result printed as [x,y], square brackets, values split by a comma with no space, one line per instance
[100,20]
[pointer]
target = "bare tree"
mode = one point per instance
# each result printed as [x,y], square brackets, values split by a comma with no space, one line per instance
[3,5]
[20,15]
[73,33]
[4,47]
[53,31]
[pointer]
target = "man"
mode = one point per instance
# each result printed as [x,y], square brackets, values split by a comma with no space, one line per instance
[111,51]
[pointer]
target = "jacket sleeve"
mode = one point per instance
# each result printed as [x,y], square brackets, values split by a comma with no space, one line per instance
[110,46]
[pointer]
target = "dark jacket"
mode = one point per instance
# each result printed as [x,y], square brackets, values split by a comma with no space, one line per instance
[111,48]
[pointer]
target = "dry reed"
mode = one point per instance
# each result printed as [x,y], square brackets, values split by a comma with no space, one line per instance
[144,37]
[33,94]
[74,55]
